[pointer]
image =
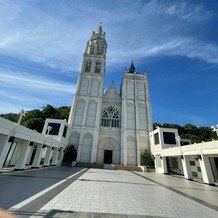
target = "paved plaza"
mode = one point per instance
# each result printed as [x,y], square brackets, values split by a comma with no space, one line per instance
[78,192]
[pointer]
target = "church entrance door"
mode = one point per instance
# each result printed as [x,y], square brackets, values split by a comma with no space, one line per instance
[108,154]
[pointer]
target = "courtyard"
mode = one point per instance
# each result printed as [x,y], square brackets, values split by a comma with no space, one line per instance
[81,192]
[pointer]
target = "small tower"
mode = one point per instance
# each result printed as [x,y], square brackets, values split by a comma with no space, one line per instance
[85,111]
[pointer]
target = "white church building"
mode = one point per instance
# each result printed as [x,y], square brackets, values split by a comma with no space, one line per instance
[109,126]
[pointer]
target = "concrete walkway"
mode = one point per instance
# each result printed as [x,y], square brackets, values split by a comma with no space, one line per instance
[110,193]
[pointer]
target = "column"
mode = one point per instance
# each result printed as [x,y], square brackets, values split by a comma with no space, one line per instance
[138,151]
[94,146]
[206,170]
[38,156]
[10,154]
[149,108]
[55,157]
[214,168]
[5,142]
[16,154]
[186,168]
[61,155]
[24,154]
[80,147]
[30,155]
[164,164]
[47,157]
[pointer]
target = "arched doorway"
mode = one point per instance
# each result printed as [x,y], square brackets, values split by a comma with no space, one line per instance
[108,151]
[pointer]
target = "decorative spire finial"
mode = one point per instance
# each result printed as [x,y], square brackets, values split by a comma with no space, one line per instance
[100,29]
[132,68]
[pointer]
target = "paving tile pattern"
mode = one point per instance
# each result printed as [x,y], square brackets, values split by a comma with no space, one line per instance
[121,192]
[18,186]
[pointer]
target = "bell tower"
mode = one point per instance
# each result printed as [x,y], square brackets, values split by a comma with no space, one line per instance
[86,107]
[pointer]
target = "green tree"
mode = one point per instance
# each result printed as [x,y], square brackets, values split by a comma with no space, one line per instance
[49,112]
[146,159]
[63,112]
[191,129]
[11,116]
[35,124]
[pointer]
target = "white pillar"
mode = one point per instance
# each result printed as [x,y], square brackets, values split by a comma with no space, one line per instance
[16,154]
[4,148]
[10,155]
[61,155]
[149,108]
[214,168]
[94,147]
[24,154]
[30,155]
[38,156]
[206,170]
[187,168]
[55,157]
[164,164]
[80,147]
[138,150]
[47,157]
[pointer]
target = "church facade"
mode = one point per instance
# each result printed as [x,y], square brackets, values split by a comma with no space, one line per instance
[109,127]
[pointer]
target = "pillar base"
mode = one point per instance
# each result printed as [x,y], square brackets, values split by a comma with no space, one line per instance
[190,179]
[46,166]
[35,167]
[211,184]
[18,169]
[53,165]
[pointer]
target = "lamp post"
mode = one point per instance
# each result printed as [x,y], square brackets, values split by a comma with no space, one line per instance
[22,114]
[49,128]
[215,129]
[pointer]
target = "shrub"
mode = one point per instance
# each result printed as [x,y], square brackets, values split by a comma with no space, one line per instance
[146,159]
[70,154]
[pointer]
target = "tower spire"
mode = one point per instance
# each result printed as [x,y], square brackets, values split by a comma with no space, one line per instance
[132,68]
[97,44]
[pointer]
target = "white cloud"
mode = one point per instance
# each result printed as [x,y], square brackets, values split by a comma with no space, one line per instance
[138,28]
[30,82]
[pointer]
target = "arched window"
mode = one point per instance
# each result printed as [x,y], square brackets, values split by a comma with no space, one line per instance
[100,48]
[88,66]
[98,67]
[110,117]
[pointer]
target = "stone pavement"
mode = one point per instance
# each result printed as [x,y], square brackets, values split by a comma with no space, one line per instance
[20,185]
[110,193]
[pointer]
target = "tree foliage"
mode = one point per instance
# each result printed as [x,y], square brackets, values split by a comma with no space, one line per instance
[70,154]
[190,131]
[146,159]
[34,119]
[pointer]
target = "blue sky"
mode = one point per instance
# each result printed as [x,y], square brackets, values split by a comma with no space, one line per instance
[174,42]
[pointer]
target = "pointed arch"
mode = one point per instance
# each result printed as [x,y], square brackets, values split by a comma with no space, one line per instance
[86,148]
[95,87]
[84,86]
[130,116]
[75,139]
[143,122]
[79,112]
[88,65]
[110,117]
[131,151]
[98,67]
[91,113]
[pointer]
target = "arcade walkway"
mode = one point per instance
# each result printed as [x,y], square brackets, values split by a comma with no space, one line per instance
[104,193]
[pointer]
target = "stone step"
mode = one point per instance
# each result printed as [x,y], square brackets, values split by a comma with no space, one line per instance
[109,166]
[89,165]
[128,168]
